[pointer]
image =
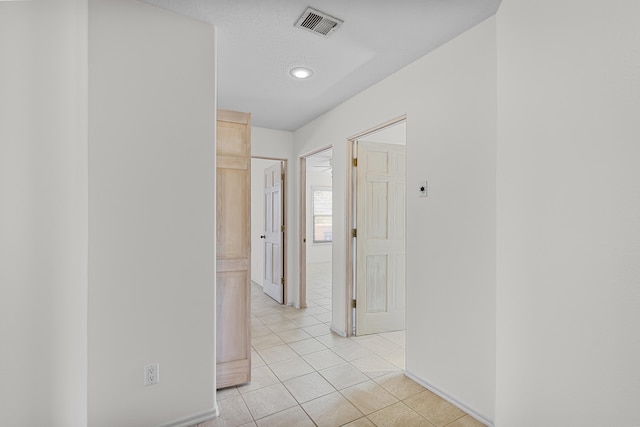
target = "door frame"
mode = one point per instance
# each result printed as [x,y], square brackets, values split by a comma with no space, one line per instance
[351,216]
[285,220]
[302,243]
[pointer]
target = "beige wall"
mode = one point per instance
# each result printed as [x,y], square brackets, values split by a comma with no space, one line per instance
[151,214]
[449,97]
[568,213]
[43,213]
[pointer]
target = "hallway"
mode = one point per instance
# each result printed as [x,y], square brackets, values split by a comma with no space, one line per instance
[304,375]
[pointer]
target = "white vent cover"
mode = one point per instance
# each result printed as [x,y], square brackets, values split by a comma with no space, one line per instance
[318,22]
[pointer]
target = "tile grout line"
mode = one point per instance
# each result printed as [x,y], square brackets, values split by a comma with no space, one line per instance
[273,315]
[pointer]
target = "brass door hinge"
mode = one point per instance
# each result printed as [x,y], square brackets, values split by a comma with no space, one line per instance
[282,280]
[355,162]
[282,228]
[354,233]
[353,303]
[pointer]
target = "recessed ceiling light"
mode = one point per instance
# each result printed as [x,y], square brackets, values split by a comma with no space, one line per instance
[301,72]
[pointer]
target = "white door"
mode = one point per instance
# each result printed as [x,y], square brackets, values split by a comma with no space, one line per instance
[380,240]
[273,282]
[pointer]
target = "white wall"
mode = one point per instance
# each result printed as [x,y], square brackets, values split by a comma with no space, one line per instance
[43,213]
[568,214]
[276,144]
[257,217]
[151,214]
[316,252]
[449,97]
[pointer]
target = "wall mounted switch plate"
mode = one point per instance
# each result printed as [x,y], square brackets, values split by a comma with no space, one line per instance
[422,189]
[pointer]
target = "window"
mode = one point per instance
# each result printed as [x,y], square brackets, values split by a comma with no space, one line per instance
[322,215]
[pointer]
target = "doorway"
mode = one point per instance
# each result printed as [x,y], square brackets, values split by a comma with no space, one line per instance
[377,217]
[317,233]
[268,203]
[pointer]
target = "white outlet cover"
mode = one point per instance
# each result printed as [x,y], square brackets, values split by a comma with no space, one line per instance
[152,374]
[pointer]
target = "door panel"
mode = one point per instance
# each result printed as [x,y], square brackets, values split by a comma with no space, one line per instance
[376,283]
[273,232]
[233,246]
[235,343]
[232,229]
[380,243]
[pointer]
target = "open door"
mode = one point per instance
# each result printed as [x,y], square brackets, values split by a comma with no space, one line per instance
[233,248]
[273,281]
[380,237]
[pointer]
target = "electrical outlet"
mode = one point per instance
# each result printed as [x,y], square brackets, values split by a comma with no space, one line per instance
[152,374]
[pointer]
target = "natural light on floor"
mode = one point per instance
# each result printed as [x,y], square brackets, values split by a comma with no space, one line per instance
[304,375]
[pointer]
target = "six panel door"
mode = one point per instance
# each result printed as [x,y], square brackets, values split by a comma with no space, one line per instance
[233,246]
[380,243]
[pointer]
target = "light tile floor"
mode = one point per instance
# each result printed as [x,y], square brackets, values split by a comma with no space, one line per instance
[304,375]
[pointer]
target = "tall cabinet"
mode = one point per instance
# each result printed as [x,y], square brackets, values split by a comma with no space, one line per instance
[233,246]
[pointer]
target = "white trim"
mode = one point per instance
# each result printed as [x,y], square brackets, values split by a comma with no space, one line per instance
[454,401]
[350,215]
[302,224]
[399,119]
[195,419]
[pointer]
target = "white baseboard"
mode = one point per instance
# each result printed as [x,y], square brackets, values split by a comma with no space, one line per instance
[195,419]
[338,331]
[454,401]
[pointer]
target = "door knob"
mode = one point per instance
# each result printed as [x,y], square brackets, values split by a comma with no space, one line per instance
[263,236]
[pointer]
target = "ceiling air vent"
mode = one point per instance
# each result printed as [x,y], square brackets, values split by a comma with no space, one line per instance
[318,22]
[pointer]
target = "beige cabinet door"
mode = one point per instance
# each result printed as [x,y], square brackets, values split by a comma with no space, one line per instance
[273,281]
[233,246]
[380,241]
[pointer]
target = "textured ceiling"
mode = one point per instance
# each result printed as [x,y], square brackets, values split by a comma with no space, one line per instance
[258,44]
